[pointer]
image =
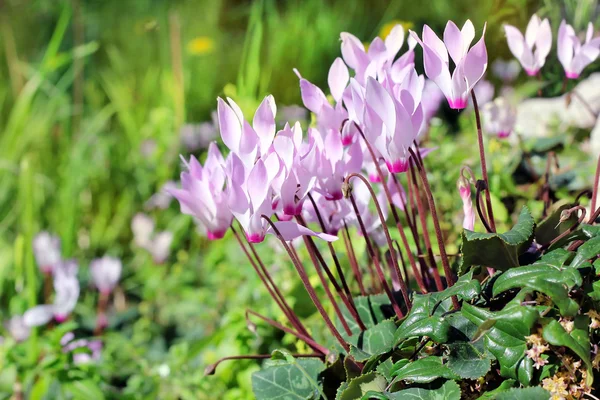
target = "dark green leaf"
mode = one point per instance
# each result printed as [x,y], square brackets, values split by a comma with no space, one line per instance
[466,361]
[448,391]
[358,387]
[421,322]
[504,386]
[370,309]
[424,370]
[506,338]
[589,249]
[500,251]
[577,341]
[551,227]
[374,341]
[297,380]
[558,294]
[530,393]
[522,276]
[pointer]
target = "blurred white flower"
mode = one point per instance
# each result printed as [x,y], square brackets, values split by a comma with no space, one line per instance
[507,71]
[162,198]
[66,288]
[17,328]
[499,117]
[46,250]
[198,136]
[142,227]
[106,272]
[157,244]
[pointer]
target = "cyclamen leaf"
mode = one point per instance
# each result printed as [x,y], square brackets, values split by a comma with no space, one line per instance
[530,393]
[500,251]
[468,362]
[552,227]
[589,249]
[376,340]
[371,309]
[424,370]
[558,294]
[358,387]
[421,322]
[296,380]
[522,276]
[448,391]
[578,341]
[504,386]
[506,338]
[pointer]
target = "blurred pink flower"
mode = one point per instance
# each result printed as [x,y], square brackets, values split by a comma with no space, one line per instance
[46,250]
[538,35]
[574,55]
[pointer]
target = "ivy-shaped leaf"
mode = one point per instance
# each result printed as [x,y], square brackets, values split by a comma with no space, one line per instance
[358,387]
[289,380]
[498,250]
[578,340]
[588,250]
[376,340]
[448,391]
[522,276]
[492,394]
[552,226]
[505,338]
[424,370]
[530,393]
[371,309]
[466,361]
[421,322]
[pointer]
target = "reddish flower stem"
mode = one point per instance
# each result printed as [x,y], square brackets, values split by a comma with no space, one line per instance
[273,290]
[373,256]
[399,226]
[488,197]
[438,230]
[309,341]
[211,368]
[317,259]
[306,282]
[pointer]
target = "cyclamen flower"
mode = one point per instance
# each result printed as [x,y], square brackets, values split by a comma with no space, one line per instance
[470,64]
[106,272]
[251,197]
[17,328]
[464,189]
[394,124]
[499,117]
[46,250]
[144,237]
[66,288]
[507,71]
[573,55]
[202,194]
[84,351]
[538,35]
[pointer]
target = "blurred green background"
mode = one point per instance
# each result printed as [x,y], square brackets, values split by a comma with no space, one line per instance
[93,95]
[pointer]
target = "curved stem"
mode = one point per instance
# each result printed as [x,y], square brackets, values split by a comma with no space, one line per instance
[478,203]
[388,238]
[438,229]
[388,195]
[488,197]
[373,256]
[210,369]
[306,282]
[595,206]
[308,340]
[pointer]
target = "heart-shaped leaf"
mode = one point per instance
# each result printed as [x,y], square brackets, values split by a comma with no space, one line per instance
[290,380]
[376,340]
[424,370]
[498,250]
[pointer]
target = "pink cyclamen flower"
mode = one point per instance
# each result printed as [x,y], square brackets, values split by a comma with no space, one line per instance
[84,351]
[251,197]
[464,189]
[202,194]
[539,36]
[46,250]
[507,71]
[573,55]
[106,272]
[499,117]
[470,64]
[66,288]
[393,123]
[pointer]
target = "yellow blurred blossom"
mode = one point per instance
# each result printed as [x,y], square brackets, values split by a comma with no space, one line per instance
[595,316]
[200,45]
[387,28]
[557,387]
